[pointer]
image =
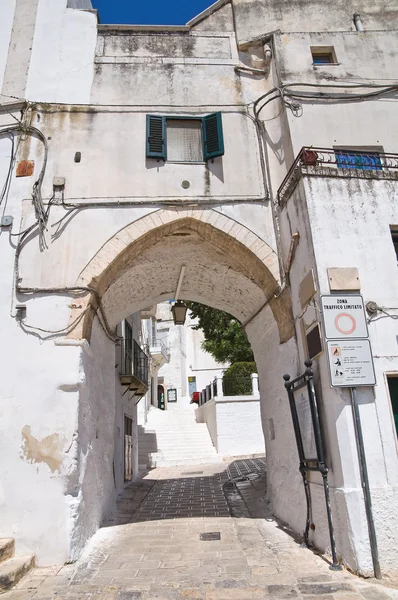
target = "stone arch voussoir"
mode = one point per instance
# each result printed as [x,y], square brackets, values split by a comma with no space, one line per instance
[254,254]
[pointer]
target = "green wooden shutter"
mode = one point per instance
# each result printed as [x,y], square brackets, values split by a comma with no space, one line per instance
[213,140]
[156,136]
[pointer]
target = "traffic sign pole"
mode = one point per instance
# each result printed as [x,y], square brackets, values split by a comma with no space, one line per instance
[365,483]
[350,361]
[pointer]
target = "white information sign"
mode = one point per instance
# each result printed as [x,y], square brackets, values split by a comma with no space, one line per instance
[306,425]
[350,363]
[344,317]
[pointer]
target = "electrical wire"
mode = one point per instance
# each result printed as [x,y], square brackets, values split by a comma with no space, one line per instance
[287,94]
[67,329]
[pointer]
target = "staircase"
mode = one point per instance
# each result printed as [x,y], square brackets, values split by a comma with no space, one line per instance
[12,568]
[173,438]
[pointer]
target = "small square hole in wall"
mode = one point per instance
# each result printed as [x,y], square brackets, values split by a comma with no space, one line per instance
[323,55]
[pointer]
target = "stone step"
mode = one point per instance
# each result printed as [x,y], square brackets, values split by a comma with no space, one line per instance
[174,438]
[7,547]
[184,463]
[13,569]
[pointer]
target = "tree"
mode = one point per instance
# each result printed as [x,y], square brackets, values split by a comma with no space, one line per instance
[225,338]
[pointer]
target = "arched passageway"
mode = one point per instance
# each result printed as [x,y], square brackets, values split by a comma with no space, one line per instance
[140,266]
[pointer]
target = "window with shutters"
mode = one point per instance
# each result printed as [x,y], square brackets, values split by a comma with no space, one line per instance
[184,139]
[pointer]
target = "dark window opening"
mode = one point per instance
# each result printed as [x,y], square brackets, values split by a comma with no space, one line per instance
[322,59]
[323,55]
[314,343]
[394,236]
[353,159]
[393,389]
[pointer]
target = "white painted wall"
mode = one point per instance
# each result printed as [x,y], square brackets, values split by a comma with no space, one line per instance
[7,10]
[200,364]
[187,358]
[61,67]
[234,424]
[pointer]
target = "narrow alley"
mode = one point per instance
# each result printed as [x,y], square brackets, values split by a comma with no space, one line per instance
[199,533]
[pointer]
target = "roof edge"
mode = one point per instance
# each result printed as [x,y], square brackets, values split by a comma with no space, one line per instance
[153,28]
[207,12]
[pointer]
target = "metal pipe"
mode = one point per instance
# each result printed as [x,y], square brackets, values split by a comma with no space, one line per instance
[365,483]
[358,22]
[335,565]
[179,284]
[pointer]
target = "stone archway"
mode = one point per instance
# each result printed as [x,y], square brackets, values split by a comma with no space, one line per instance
[252,256]
[227,267]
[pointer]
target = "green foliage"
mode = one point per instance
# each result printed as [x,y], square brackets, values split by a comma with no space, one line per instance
[225,338]
[237,379]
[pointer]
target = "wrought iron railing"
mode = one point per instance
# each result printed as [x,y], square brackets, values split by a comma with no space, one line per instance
[140,363]
[134,360]
[156,343]
[339,162]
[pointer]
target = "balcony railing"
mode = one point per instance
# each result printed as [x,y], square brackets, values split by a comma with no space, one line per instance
[220,387]
[140,363]
[155,344]
[135,362]
[366,164]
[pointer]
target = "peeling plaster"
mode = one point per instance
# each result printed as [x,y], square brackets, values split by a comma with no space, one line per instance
[48,450]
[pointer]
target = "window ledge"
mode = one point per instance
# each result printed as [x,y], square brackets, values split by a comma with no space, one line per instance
[185,162]
[325,65]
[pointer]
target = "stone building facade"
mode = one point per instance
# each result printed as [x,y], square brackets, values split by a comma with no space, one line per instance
[127,152]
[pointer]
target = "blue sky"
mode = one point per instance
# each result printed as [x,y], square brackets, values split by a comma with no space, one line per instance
[149,12]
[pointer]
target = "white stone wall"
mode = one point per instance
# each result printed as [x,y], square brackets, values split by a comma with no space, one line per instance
[234,424]
[7,10]
[200,364]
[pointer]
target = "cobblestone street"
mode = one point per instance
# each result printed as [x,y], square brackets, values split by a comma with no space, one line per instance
[199,534]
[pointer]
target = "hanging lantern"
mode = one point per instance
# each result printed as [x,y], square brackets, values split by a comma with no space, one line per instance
[179,311]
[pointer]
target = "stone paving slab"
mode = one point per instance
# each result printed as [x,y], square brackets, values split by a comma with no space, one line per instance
[151,547]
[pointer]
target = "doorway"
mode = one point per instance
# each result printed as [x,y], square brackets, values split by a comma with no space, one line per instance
[393,389]
[128,448]
[161,403]
[191,385]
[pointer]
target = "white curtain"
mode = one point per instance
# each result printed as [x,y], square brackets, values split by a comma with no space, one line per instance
[184,140]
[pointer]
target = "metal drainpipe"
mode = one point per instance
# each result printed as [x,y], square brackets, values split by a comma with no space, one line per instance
[358,22]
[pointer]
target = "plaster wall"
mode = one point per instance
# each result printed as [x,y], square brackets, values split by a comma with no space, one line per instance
[172,371]
[200,364]
[207,413]
[255,17]
[7,10]
[234,424]
[362,58]
[273,359]
[61,65]
[365,209]
[39,409]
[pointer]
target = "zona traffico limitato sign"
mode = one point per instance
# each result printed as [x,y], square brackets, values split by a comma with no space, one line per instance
[344,317]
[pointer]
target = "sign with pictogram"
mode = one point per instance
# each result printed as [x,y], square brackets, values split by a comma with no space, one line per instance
[350,363]
[344,317]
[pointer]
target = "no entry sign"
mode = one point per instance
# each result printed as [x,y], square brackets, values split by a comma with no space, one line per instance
[344,317]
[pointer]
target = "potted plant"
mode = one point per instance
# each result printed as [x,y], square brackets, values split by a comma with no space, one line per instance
[309,157]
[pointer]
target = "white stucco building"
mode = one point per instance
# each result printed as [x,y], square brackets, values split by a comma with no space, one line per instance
[127,152]
[189,367]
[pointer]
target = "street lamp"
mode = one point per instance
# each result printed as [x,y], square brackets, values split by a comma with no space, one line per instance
[179,311]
